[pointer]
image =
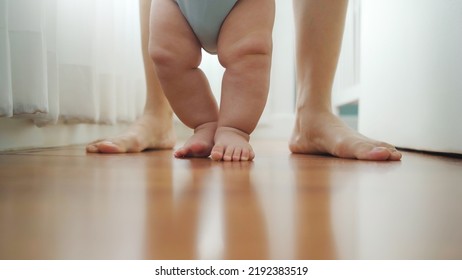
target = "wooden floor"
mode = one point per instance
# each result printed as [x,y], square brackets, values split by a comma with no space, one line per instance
[64,204]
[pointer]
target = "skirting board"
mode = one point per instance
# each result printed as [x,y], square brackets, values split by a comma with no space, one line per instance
[16,134]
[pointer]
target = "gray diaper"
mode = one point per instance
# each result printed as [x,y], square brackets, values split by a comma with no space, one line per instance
[206,17]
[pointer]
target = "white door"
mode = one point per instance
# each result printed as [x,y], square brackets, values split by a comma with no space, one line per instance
[411,73]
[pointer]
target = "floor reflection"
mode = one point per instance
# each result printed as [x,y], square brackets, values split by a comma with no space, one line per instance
[409,214]
[299,207]
[313,211]
[150,205]
[210,210]
[170,231]
[205,210]
[93,208]
[246,233]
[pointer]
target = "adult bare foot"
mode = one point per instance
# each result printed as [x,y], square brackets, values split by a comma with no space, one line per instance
[232,145]
[148,132]
[325,133]
[200,144]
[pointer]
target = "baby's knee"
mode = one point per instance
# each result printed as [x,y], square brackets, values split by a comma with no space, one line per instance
[162,57]
[254,46]
[170,60]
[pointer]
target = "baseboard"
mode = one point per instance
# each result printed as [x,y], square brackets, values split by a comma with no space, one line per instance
[17,134]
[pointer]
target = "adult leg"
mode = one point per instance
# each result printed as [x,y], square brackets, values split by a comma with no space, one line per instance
[244,49]
[154,129]
[177,56]
[319,30]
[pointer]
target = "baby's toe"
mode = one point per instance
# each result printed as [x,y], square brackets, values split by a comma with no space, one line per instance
[245,155]
[228,156]
[237,154]
[217,153]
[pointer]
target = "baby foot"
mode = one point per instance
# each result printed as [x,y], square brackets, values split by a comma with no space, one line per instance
[200,144]
[232,145]
[148,132]
[321,133]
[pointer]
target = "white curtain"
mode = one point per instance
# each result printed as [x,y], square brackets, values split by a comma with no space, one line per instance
[71,60]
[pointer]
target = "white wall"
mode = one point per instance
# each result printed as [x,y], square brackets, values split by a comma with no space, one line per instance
[411,73]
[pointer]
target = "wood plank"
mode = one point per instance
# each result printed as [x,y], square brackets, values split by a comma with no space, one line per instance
[64,204]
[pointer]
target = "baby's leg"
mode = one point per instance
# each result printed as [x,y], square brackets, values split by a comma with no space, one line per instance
[244,49]
[176,53]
